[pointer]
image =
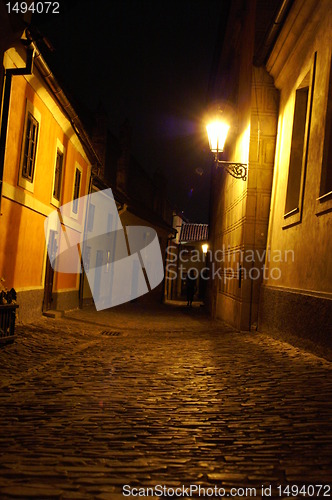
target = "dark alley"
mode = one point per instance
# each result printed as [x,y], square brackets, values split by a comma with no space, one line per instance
[143,397]
[165,249]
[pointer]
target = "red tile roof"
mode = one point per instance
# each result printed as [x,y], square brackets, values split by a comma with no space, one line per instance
[194,232]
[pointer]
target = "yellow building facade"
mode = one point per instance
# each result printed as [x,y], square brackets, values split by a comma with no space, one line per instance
[45,165]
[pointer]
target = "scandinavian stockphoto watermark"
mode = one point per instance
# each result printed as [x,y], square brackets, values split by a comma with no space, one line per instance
[225,263]
[121,263]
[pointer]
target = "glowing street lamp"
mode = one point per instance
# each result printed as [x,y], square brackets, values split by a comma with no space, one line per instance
[217,130]
[205,247]
[217,134]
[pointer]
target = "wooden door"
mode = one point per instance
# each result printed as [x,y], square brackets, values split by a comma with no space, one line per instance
[49,272]
[97,281]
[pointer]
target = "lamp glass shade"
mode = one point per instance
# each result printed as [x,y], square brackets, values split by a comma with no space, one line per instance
[217,133]
[204,248]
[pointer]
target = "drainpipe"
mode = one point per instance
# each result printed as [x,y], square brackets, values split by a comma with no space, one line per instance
[9,73]
[123,209]
[265,49]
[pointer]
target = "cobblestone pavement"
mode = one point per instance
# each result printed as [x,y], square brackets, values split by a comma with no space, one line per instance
[138,397]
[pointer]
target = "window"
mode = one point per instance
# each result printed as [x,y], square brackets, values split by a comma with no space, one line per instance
[87,257]
[58,174]
[27,171]
[108,261]
[326,176]
[110,223]
[30,148]
[77,189]
[297,147]
[298,152]
[91,216]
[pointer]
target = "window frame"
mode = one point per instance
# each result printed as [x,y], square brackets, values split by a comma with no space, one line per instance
[23,181]
[59,148]
[324,200]
[294,216]
[74,214]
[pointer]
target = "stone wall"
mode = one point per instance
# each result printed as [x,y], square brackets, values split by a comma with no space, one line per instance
[30,305]
[303,316]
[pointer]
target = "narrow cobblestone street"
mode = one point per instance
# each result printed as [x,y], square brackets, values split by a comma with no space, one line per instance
[138,397]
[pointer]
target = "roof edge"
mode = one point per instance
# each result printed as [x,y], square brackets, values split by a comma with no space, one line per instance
[65,104]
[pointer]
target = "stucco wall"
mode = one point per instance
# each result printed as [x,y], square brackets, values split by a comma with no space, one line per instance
[304,46]
[23,211]
[310,238]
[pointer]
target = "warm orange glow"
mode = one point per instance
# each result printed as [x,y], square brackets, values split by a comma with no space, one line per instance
[217,133]
[205,247]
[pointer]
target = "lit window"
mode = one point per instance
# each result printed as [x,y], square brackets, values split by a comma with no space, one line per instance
[108,261]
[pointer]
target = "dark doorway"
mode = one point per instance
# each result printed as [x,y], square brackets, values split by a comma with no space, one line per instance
[97,283]
[49,272]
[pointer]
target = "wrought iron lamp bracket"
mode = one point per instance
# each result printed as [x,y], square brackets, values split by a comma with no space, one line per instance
[237,170]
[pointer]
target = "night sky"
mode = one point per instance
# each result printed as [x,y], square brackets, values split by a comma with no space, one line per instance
[148,61]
